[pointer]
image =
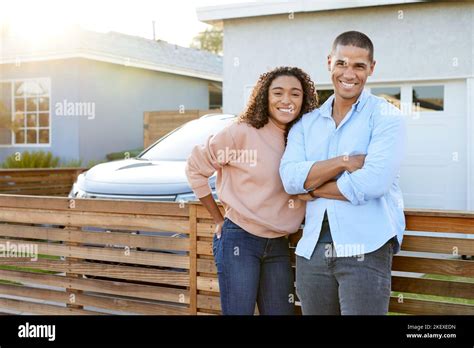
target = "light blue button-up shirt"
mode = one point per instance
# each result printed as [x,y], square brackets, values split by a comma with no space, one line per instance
[373,213]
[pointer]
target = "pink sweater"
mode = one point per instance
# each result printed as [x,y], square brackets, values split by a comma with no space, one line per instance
[248,184]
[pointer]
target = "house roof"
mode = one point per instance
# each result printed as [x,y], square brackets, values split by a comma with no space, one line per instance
[116,48]
[217,14]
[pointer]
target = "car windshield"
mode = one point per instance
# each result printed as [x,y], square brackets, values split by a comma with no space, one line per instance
[178,145]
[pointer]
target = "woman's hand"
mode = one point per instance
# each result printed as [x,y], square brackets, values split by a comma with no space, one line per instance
[218,229]
[210,204]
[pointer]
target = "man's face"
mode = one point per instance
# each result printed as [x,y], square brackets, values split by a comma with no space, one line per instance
[350,67]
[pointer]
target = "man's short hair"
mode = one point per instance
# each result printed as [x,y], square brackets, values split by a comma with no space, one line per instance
[354,38]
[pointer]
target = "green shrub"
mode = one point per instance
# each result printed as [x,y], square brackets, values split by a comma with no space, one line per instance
[71,164]
[26,159]
[41,159]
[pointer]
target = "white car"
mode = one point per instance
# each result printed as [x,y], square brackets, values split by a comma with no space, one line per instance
[156,174]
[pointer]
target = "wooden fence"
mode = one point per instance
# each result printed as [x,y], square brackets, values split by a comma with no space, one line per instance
[93,262]
[38,181]
[431,256]
[159,123]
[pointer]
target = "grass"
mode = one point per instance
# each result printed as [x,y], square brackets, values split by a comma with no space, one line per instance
[7,282]
[435,298]
[28,269]
[49,257]
[450,278]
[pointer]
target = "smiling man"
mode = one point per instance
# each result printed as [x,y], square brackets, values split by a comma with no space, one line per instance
[345,158]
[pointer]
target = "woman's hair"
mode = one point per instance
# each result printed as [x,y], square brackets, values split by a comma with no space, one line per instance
[256,114]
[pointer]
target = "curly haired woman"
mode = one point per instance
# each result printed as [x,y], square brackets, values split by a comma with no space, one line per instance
[250,244]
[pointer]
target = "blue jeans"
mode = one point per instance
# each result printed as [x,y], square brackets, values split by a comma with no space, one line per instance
[251,270]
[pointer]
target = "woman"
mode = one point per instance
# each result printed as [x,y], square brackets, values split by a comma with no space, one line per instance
[250,244]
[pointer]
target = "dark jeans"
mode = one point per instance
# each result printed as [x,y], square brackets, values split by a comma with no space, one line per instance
[253,270]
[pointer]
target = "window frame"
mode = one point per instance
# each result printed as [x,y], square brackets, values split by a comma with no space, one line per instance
[430,84]
[406,94]
[37,113]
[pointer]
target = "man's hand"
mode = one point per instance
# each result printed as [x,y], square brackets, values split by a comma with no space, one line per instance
[353,163]
[306,197]
[329,190]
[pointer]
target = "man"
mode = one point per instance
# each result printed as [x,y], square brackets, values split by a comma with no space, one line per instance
[346,155]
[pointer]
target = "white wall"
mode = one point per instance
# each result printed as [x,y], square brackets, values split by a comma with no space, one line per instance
[426,43]
[430,41]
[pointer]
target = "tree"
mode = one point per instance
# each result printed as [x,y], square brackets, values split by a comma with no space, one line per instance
[209,40]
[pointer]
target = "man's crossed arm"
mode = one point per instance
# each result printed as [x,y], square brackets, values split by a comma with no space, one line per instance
[363,177]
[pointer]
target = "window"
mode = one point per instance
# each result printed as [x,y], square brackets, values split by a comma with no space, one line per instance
[215,96]
[25,112]
[5,113]
[428,98]
[391,94]
[324,94]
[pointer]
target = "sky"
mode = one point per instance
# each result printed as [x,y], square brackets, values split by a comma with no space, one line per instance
[175,20]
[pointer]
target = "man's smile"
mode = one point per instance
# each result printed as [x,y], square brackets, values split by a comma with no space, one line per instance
[347,85]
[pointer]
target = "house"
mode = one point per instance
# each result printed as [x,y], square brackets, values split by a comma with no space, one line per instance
[424,52]
[82,94]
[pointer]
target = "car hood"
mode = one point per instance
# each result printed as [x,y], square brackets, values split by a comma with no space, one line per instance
[136,177]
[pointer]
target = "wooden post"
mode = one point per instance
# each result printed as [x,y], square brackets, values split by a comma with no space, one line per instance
[72,293]
[192,259]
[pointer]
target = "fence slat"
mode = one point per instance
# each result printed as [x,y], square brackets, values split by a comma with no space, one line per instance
[101,286]
[39,308]
[112,238]
[208,284]
[422,307]
[109,254]
[101,220]
[440,222]
[441,245]
[444,288]
[93,205]
[206,266]
[95,269]
[125,305]
[460,268]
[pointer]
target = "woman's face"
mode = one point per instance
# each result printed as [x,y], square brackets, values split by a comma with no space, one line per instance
[285,99]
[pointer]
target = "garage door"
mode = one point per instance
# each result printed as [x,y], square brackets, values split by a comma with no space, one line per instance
[434,173]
